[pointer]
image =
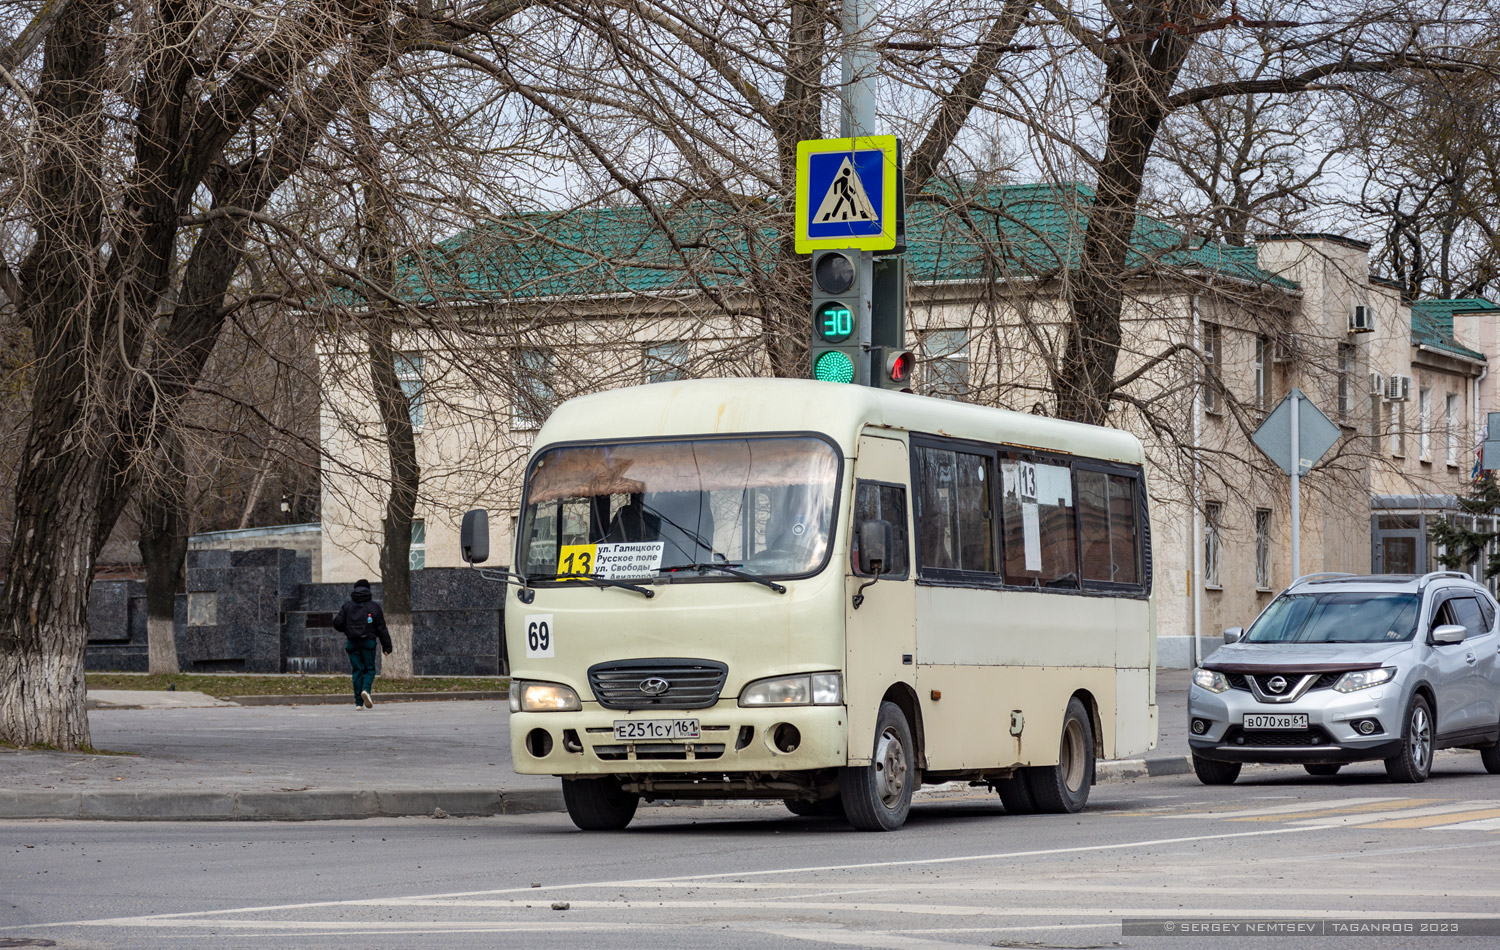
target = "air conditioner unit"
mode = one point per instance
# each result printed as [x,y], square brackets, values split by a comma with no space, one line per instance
[1377,384]
[1398,388]
[1284,350]
[1361,320]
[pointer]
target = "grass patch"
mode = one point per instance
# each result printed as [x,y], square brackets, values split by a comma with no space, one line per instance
[49,747]
[228,685]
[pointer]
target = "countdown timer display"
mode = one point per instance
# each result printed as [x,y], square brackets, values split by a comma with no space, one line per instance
[833,322]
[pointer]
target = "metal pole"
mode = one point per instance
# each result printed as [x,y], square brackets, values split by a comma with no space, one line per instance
[1296,490]
[1195,579]
[857,103]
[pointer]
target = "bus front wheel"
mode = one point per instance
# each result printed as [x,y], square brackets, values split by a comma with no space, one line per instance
[1064,788]
[877,797]
[598,804]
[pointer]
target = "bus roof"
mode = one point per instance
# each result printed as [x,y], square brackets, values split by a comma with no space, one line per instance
[841,411]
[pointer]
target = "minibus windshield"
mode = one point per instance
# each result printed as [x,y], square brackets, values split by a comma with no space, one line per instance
[762,504]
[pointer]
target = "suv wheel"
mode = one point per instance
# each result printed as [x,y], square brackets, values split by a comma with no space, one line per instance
[1414,762]
[1215,773]
[1491,759]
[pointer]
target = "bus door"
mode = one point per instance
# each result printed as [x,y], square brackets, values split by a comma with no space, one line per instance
[880,640]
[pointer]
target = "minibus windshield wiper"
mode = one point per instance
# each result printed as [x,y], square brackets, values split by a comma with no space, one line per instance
[731,569]
[597,580]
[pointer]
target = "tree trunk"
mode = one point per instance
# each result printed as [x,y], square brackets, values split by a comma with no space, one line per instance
[164,541]
[405,477]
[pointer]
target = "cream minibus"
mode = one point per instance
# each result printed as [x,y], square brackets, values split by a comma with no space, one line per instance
[824,594]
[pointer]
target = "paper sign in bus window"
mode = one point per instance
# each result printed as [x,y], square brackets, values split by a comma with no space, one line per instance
[620,562]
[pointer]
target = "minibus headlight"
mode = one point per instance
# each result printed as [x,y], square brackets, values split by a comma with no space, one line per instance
[542,697]
[805,689]
[1211,680]
[1363,679]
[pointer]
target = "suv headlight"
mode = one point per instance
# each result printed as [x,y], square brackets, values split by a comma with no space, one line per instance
[1363,679]
[805,689]
[1211,680]
[542,697]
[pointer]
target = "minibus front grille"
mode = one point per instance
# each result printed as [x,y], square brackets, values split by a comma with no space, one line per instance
[646,752]
[638,684]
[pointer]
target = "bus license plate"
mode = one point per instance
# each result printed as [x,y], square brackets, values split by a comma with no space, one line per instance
[665,730]
[1275,720]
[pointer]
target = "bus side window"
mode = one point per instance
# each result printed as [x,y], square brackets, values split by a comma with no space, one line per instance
[875,502]
[954,517]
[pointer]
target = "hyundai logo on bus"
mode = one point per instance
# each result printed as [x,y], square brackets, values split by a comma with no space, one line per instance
[654,686]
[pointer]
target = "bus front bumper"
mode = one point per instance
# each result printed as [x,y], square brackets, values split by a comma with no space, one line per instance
[731,739]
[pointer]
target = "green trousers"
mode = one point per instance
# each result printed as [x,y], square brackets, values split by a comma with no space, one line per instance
[362,659]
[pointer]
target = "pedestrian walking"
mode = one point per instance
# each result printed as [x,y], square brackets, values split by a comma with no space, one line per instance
[362,623]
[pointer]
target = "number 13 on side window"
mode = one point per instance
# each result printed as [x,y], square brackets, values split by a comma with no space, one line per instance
[539,639]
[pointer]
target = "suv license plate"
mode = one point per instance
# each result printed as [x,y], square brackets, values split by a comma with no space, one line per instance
[662,730]
[1275,720]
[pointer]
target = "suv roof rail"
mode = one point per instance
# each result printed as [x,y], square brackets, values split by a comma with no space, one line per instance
[1430,576]
[1312,577]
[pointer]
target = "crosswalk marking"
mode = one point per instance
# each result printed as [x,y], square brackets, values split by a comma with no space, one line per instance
[1433,820]
[1380,805]
[1335,821]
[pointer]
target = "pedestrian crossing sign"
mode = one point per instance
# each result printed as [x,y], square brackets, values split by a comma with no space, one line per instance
[846,193]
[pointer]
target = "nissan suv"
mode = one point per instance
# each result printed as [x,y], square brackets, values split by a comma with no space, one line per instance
[1342,668]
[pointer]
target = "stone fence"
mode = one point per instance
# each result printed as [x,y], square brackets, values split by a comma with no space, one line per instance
[255,611]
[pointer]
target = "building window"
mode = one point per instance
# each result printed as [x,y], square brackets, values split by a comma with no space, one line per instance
[947,363]
[1262,373]
[417,559]
[1262,549]
[1374,425]
[1450,425]
[409,375]
[666,362]
[535,388]
[1398,429]
[1213,513]
[1213,354]
[1424,425]
[1346,370]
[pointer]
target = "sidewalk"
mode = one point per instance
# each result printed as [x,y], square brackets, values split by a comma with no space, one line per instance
[221,762]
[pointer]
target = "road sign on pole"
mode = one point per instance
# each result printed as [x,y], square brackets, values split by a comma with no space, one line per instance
[846,194]
[1295,436]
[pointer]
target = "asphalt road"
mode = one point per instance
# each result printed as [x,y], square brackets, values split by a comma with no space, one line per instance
[1278,846]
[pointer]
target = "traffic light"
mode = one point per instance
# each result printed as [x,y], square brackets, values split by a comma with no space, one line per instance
[892,368]
[839,323]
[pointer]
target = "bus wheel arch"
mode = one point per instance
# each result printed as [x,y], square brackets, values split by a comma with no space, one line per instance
[906,699]
[1095,719]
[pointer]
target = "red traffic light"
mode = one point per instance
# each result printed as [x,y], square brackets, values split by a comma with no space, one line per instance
[899,366]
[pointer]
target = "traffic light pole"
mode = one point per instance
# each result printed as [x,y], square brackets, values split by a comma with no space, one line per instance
[856,118]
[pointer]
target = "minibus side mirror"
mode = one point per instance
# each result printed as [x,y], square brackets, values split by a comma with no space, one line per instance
[876,538]
[474,536]
[1233,634]
[1449,633]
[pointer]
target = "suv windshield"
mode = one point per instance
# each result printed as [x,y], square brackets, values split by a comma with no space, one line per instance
[632,511]
[1337,618]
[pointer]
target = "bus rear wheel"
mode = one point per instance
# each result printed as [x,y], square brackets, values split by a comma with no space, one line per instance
[877,797]
[1063,789]
[599,804]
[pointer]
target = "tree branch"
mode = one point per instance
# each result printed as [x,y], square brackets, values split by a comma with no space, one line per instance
[1308,79]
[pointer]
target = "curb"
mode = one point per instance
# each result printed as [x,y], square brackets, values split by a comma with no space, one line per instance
[346,804]
[329,699]
[1128,770]
[318,805]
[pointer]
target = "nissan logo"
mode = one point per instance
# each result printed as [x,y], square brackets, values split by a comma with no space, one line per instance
[1276,683]
[654,686]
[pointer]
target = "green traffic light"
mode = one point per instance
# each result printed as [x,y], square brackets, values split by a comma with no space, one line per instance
[834,366]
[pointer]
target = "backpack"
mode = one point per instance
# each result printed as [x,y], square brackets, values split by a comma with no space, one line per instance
[359,623]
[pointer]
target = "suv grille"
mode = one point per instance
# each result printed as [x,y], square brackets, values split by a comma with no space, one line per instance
[691,684]
[1313,736]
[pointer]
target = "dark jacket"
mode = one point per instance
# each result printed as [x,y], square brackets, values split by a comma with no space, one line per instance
[369,619]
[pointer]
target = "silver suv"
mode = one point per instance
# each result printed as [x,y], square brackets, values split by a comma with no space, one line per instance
[1344,668]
